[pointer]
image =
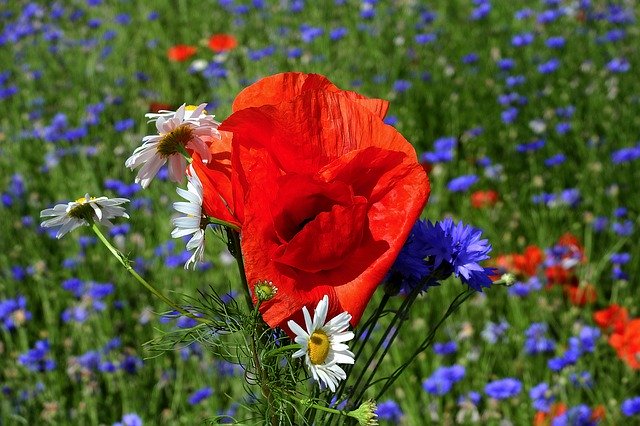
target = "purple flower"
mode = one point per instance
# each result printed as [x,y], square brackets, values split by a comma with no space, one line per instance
[542,397]
[443,151]
[555,42]
[443,379]
[618,65]
[36,359]
[389,410]
[425,38]
[462,183]
[447,348]
[506,64]
[522,39]
[123,125]
[200,395]
[338,33]
[625,155]
[130,419]
[555,160]
[631,407]
[401,86]
[548,67]
[579,416]
[503,389]
[536,341]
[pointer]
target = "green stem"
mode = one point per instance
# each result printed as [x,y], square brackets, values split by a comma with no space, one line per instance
[124,262]
[234,240]
[283,349]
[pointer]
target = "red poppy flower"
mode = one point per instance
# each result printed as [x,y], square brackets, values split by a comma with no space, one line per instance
[484,199]
[330,193]
[614,318]
[627,344]
[544,419]
[581,295]
[527,263]
[181,52]
[158,106]
[217,194]
[222,42]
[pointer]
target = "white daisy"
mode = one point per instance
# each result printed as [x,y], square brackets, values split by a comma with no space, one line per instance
[323,344]
[194,223]
[189,127]
[77,213]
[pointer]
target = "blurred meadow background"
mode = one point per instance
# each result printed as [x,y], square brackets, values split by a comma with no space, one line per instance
[525,114]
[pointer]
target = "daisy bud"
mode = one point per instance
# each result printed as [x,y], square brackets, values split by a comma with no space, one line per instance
[265,290]
[365,414]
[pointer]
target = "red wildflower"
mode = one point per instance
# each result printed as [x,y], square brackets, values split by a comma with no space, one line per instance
[544,419]
[614,318]
[581,295]
[330,192]
[157,106]
[222,42]
[181,52]
[527,263]
[557,275]
[627,344]
[483,199]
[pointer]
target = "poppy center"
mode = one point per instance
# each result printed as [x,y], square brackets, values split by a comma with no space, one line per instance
[318,348]
[172,142]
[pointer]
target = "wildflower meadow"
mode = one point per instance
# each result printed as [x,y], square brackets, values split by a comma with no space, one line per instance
[319,212]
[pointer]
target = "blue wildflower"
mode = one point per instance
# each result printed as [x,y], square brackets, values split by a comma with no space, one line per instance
[389,410]
[130,419]
[503,388]
[462,183]
[580,415]
[542,397]
[447,348]
[200,395]
[443,379]
[536,341]
[443,149]
[36,359]
[631,407]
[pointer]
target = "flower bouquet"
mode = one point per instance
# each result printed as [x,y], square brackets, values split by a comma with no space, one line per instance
[319,201]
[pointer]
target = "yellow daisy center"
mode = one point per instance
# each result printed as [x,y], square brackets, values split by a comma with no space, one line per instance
[193,108]
[83,200]
[174,140]
[318,348]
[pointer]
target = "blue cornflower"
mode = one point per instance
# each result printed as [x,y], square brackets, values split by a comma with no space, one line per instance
[14,313]
[620,212]
[122,125]
[338,33]
[550,66]
[481,11]
[443,379]
[620,258]
[536,340]
[509,115]
[389,410]
[555,160]
[581,380]
[515,80]
[624,228]
[401,86]
[625,155]
[555,42]
[579,415]
[309,33]
[531,146]
[446,348]
[522,39]
[631,407]
[443,150]
[503,388]
[36,359]
[131,364]
[425,38]
[130,419]
[462,183]
[618,65]
[542,397]
[563,128]
[506,64]
[493,331]
[200,395]
[470,58]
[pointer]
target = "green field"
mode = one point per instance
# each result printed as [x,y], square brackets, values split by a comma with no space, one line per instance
[538,100]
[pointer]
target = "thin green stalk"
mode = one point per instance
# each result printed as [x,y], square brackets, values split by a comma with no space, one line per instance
[234,240]
[125,262]
[457,302]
